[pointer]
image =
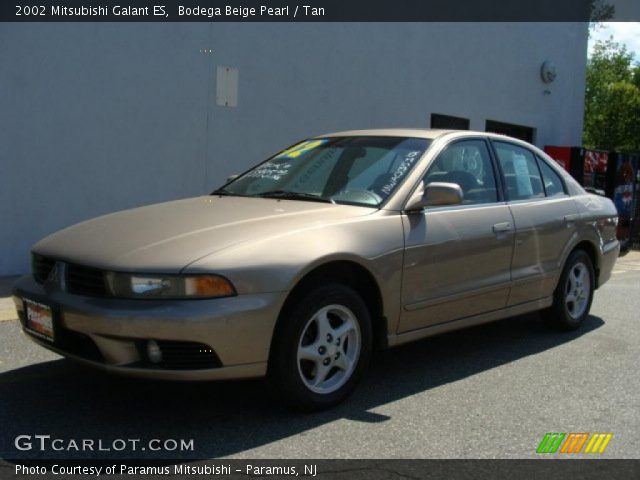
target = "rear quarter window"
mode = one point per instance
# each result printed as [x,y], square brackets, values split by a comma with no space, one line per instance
[553,184]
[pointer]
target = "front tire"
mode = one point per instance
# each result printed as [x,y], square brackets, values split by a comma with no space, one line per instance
[574,293]
[322,349]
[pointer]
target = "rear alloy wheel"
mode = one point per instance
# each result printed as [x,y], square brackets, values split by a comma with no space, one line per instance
[577,291]
[574,293]
[323,348]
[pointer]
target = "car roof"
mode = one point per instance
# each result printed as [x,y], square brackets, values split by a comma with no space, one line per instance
[391,132]
[429,133]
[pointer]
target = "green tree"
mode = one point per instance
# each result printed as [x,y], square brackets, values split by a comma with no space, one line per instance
[636,76]
[612,100]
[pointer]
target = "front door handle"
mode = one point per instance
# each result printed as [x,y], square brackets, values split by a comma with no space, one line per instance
[502,227]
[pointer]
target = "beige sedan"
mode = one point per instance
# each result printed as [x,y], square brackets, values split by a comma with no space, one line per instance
[300,268]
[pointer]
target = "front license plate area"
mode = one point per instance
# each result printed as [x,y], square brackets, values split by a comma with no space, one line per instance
[39,319]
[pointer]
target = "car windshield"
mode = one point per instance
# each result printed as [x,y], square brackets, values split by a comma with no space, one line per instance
[352,170]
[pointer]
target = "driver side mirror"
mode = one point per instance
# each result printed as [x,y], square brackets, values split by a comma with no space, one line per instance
[435,194]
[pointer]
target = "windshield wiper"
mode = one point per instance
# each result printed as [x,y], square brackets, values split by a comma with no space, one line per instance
[225,192]
[284,194]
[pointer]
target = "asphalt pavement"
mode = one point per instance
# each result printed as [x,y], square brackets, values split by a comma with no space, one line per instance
[488,392]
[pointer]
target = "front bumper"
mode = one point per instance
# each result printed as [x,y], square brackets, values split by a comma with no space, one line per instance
[111,333]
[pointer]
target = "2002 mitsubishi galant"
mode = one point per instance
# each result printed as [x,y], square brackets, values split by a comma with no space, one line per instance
[300,267]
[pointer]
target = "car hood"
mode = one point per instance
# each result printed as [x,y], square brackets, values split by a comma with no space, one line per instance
[166,237]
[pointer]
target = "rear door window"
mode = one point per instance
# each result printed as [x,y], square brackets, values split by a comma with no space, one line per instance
[521,173]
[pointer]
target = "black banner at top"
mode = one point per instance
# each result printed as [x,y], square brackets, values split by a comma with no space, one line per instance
[318,10]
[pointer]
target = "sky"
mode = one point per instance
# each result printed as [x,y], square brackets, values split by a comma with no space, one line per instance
[627,33]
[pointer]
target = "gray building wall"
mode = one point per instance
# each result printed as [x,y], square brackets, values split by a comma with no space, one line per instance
[101,117]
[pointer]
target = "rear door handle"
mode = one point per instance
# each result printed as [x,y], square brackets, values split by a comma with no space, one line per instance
[502,227]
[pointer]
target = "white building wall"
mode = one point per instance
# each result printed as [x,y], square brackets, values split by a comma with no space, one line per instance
[102,117]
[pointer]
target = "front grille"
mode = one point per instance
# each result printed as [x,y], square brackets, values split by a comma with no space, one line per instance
[86,281]
[41,267]
[80,280]
[181,355]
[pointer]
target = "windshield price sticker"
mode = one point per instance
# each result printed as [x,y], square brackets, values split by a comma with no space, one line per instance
[401,171]
[301,148]
[270,170]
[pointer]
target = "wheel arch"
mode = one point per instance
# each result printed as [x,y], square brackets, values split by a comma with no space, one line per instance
[346,272]
[592,251]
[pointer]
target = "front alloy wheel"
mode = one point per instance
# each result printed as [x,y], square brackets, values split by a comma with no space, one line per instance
[329,349]
[321,347]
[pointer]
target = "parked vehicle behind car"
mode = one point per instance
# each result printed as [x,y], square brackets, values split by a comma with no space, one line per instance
[298,269]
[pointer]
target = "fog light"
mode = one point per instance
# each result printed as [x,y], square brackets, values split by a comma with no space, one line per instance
[153,352]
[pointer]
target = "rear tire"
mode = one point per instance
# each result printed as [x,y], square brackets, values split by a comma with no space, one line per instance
[574,293]
[322,348]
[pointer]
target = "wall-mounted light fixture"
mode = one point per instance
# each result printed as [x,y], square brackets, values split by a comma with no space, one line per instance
[548,71]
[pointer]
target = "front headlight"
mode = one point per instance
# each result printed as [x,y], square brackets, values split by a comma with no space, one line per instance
[126,285]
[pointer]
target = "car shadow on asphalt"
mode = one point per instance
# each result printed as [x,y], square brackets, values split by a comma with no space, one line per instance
[69,401]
